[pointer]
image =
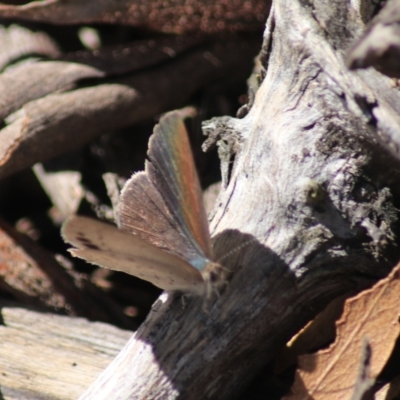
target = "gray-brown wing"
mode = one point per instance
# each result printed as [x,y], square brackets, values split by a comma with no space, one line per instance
[143,212]
[107,246]
[171,188]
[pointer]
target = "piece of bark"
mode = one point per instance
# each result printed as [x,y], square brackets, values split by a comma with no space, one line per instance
[114,185]
[379,45]
[36,79]
[375,95]
[52,357]
[33,276]
[58,123]
[129,57]
[63,188]
[171,17]
[314,191]
[17,43]
[32,81]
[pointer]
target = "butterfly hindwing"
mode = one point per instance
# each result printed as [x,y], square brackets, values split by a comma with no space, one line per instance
[105,245]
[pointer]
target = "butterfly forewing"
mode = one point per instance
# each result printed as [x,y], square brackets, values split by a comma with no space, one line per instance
[105,245]
[172,173]
[142,211]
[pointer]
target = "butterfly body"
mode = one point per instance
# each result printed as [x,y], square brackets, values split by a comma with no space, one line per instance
[162,233]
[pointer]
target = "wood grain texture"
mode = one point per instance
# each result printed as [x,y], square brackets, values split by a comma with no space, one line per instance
[52,357]
[312,187]
[379,45]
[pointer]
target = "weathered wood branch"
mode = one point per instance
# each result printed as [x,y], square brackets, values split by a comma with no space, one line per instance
[379,46]
[314,189]
[52,356]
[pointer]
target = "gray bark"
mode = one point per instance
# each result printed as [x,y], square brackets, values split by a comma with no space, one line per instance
[379,46]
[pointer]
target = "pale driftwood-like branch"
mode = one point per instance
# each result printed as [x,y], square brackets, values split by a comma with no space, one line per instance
[314,189]
[379,46]
[52,356]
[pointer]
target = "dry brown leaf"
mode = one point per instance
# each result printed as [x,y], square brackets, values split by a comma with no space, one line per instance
[317,334]
[331,373]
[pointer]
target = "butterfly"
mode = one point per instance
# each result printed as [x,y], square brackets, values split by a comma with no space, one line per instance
[163,235]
